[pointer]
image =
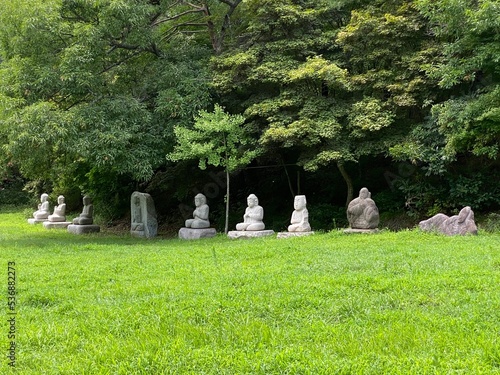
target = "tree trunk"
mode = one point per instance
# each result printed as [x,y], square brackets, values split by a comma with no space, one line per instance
[348,181]
[226,226]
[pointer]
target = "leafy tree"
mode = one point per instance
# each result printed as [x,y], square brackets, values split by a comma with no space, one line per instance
[218,139]
[94,88]
[332,82]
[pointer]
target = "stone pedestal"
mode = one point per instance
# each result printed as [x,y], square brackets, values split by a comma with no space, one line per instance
[83,229]
[196,234]
[235,234]
[56,224]
[366,231]
[36,221]
[293,234]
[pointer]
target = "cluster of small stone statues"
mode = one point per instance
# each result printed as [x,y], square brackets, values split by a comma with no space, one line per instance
[362,214]
[84,223]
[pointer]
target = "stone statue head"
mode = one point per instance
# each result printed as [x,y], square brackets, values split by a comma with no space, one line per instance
[364,193]
[465,213]
[86,200]
[252,200]
[299,202]
[60,199]
[44,197]
[199,200]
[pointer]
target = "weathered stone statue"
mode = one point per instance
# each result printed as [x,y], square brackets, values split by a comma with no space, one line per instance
[58,218]
[460,224]
[43,211]
[254,214]
[85,222]
[252,225]
[362,212]
[143,215]
[200,214]
[198,227]
[59,214]
[300,216]
[299,223]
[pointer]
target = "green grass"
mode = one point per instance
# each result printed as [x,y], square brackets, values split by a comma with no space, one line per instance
[391,303]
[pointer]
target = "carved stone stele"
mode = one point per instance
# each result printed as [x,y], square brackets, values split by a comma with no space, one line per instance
[143,215]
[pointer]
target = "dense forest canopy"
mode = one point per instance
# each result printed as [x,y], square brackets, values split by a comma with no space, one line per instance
[94,94]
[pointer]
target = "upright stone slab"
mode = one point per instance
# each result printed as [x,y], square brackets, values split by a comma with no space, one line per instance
[84,223]
[461,224]
[362,214]
[299,223]
[43,211]
[143,215]
[58,219]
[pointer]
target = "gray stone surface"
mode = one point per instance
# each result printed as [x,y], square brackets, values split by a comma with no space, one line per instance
[143,215]
[300,216]
[461,224]
[367,231]
[43,211]
[56,224]
[235,234]
[36,221]
[200,214]
[253,217]
[293,234]
[196,234]
[83,229]
[362,212]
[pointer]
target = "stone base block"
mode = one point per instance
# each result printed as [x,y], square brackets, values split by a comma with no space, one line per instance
[36,221]
[368,231]
[196,234]
[83,229]
[293,234]
[234,234]
[56,224]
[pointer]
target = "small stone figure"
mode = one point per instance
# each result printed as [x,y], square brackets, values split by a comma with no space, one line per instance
[460,224]
[252,225]
[300,216]
[143,214]
[85,222]
[59,214]
[254,214]
[58,218]
[199,226]
[85,217]
[200,214]
[43,211]
[362,212]
[299,223]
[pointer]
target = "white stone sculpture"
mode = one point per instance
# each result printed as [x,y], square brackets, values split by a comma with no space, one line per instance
[143,215]
[299,223]
[198,227]
[43,211]
[253,225]
[58,218]
[254,214]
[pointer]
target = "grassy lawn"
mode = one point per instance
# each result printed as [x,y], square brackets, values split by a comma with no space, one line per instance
[391,303]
